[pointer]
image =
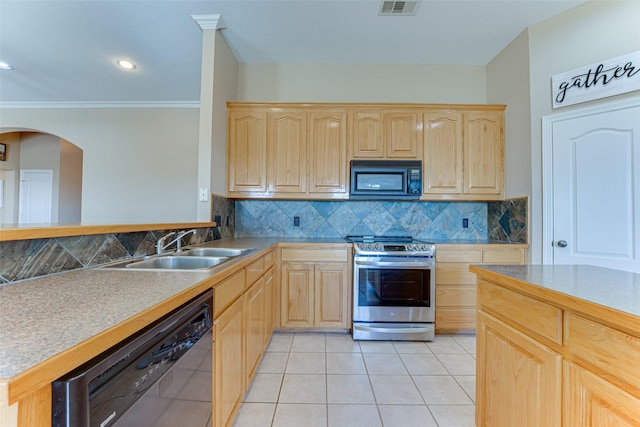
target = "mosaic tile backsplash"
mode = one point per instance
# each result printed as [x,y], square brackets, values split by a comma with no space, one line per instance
[334,219]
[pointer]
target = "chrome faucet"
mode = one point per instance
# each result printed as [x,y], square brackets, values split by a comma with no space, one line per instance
[181,235]
[160,246]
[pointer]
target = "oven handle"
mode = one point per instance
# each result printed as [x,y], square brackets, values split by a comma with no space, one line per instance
[397,264]
[403,330]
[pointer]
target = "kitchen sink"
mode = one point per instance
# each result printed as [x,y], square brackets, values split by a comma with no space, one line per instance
[214,252]
[179,262]
[170,262]
[196,259]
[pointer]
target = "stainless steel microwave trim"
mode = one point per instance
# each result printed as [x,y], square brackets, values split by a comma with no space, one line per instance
[410,172]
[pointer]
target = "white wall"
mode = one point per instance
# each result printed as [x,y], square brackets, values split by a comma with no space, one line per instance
[140,164]
[225,85]
[593,32]
[70,191]
[42,151]
[10,175]
[362,83]
[508,83]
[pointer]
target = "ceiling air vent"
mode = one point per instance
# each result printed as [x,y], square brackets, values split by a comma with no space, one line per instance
[398,8]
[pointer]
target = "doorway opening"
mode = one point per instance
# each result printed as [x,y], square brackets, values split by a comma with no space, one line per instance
[33,198]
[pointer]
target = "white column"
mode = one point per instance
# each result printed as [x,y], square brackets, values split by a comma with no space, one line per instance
[209,25]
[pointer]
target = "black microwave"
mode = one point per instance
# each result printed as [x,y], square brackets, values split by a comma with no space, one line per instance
[386,180]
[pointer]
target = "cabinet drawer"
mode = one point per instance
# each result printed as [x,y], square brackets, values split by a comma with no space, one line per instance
[459,256]
[315,255]
[269,260]
[227,291]
[608,349]
[502,256]
[454,274]
[455,296]
[534,315]
[255,270]
[455,319]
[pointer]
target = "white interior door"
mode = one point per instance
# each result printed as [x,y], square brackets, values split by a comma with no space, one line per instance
[35,196]
[596,189]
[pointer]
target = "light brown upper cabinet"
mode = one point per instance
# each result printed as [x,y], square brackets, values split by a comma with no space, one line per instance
[386,134]
[368,137]
[442,165]
[463,155]
[484,153]
[287,145]
[403,134]
[303,152]
[247,151]
[328,153]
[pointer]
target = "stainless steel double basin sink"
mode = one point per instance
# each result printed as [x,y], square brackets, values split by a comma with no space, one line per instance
[195,259]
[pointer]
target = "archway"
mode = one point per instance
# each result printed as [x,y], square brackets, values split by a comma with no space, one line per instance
[34,150]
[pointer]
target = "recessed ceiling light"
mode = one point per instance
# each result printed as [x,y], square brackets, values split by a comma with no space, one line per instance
[5,66]
[127,65]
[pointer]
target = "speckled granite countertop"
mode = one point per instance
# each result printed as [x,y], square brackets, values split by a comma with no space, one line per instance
[40,318]
[613,289]
[43,317]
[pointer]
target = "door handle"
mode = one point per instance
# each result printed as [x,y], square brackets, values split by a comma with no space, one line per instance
[561,243]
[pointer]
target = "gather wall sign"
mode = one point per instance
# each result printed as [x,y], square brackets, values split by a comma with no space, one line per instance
[607,78]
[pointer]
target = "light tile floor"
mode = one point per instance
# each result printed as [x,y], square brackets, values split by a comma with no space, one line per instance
[329,380]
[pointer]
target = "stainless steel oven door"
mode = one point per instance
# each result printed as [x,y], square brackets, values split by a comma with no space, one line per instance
[393,289]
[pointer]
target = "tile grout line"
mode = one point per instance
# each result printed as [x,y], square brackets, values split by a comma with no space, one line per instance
[362,354]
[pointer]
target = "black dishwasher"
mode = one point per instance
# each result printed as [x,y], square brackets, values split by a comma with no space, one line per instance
[161,376]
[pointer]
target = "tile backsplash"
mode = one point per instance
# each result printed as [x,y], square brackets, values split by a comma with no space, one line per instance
[223,212]
[332,219]
[504,221]
[507,220]
[25,259]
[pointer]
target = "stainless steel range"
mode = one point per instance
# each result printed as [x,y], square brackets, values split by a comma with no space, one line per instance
[393,288]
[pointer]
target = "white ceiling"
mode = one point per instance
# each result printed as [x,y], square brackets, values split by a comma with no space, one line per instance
[65,51]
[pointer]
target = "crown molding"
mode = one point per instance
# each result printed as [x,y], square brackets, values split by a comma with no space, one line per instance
[169,104]
[209,22]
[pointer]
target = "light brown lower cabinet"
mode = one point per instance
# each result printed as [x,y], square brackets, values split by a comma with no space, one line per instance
[255,318]
[241,330]
[519,379]
[228,364]
[547,359]
[456,286]
[269,303]
[315,291]
[591,401]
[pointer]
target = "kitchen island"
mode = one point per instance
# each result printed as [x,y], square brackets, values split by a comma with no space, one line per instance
[557,346]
